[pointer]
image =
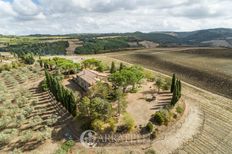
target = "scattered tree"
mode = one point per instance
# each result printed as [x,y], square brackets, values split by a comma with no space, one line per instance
[121,66]
[127,76]
[159,84]
[113,68]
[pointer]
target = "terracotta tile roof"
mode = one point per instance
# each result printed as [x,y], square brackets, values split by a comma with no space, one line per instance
[91,76]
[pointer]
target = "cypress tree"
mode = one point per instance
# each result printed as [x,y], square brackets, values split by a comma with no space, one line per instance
[59,93]
[173,82]
[67,99]
[174,97]
[177,88]
[56,88]
[113,68]
[72,104]
[176,92]
[121,66]
[64,96]
[180,87]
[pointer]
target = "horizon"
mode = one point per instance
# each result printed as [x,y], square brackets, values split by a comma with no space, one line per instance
[118,32]
[28,17]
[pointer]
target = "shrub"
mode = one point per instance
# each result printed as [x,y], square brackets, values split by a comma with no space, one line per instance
[112,124]
[153,135]
[44,85]
[22,101]
[149,127]
[19,119]
[26,136]
[51,120]
[104,126]
[175,116]
[162,117]
[150,151]
[43,134]
[179,109]
[27,111]
[4,121]
[129,122]
[149,76]
[65,147]
[98,125]
[16,151]
[167,84]
[159,118]
[6,135]
[35,121]
[4,138]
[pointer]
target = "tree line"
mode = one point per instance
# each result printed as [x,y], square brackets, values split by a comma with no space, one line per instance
[66,66]
[61,94]
[94,46]
[44,48]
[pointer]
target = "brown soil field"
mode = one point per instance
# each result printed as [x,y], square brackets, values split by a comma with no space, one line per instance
[207,68]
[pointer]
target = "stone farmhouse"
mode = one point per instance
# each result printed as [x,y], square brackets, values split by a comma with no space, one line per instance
[87,78]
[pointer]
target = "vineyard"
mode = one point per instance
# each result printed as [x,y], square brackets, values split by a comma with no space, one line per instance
[216,133]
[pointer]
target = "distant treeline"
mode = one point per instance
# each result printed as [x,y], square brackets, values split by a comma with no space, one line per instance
[95,46]
[45,48]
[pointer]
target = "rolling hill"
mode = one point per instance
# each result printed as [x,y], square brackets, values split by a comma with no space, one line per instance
[220,37]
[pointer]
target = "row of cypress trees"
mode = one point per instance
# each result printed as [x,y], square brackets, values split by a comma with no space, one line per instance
[176,90]
[62,95]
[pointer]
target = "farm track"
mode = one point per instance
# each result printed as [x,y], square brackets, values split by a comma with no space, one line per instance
[73,44]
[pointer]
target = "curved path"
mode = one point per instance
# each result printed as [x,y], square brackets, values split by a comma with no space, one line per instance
[216,133]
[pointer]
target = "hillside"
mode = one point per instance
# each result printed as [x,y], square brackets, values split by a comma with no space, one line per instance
[113,42]
[220,37]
